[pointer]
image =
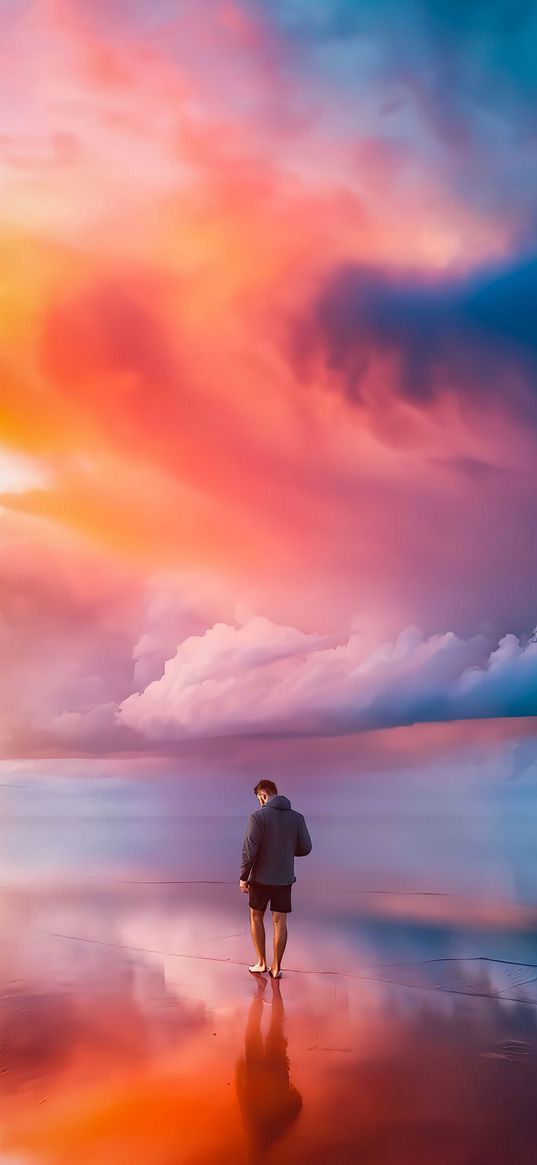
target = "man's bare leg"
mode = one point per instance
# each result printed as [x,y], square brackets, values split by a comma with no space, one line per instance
[257,928]
[280,939]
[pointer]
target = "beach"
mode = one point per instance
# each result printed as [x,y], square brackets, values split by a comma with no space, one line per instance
[403,1030]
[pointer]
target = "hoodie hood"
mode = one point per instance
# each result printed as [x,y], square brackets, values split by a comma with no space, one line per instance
[278,802]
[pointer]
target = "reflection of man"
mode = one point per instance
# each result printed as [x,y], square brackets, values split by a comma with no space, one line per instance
[275,835]
[269,1103]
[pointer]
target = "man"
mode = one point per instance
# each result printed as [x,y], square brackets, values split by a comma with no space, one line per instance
[275,835]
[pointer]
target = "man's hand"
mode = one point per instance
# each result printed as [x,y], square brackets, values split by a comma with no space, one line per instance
[243,886]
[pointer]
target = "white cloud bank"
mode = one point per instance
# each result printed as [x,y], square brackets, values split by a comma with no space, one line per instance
[260,677]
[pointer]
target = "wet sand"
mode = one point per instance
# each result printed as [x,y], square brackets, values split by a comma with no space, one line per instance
[403,1031]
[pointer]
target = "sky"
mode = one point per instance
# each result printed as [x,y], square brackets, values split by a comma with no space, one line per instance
[268,374]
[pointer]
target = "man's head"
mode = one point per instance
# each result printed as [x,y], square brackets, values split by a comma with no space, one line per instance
[264,790]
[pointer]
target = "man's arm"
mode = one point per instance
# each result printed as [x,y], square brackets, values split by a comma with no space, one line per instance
[250,845]
[303,844]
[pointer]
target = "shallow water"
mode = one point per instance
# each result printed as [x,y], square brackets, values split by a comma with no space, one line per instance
[404,1029]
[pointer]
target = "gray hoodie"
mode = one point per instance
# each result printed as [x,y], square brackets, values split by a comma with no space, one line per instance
[275,835]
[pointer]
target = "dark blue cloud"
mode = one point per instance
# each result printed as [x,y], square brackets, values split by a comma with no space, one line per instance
[475,330]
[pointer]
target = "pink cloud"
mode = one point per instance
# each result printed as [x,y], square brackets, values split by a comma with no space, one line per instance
[68,619]
[161,240]
[261,678]
[101,659]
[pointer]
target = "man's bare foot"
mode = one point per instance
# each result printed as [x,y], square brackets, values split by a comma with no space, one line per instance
[259,969]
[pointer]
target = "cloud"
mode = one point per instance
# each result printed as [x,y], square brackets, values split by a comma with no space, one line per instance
[473,335]
[459,87]
[68,619]
[98,661]
[260,678]
[156,241]
[107,347]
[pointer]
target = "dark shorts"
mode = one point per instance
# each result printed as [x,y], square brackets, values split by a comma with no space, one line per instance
[280,897]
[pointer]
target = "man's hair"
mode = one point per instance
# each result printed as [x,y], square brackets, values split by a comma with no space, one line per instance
[266,787]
